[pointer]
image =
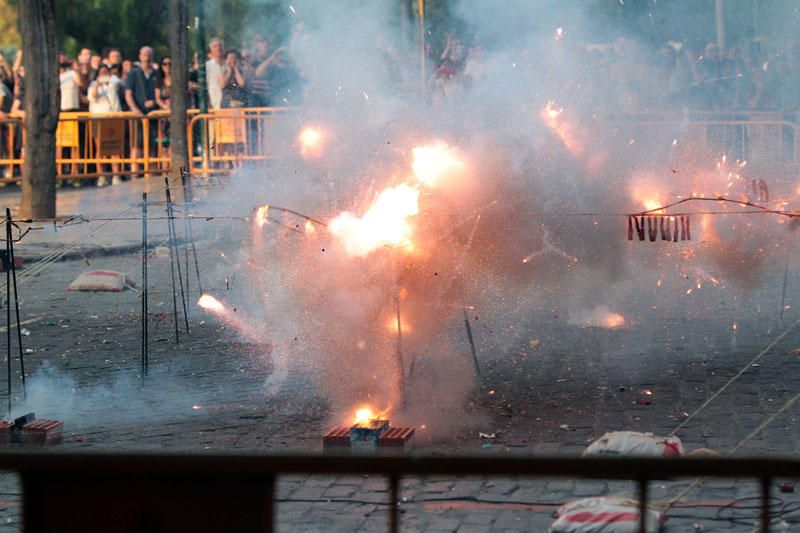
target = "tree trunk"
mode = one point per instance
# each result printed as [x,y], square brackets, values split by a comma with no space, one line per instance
[179,52]
[42,104]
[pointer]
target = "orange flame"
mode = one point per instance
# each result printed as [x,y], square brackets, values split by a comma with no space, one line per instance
[551,116]
[261,216]
[209,303]
[364,414]
[432,162]
[386,222]
[311,142]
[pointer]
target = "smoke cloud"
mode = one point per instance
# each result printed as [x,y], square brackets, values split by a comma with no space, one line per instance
[532,221]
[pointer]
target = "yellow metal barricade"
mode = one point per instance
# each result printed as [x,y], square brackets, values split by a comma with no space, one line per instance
[766,139]
[11,148]
[224,139]
[67,131]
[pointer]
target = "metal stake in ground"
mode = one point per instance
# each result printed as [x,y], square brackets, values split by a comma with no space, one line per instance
[471,343]
[185,229]
[174,240]
[401,366]
[783,291]
[186,179]
[8,312]
[13,267]
[145,343]
[172,266]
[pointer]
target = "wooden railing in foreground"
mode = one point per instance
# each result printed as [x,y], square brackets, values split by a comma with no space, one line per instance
[224,492]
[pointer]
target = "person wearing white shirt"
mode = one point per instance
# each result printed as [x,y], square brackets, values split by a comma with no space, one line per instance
[215,69]
[104,98]
[70,82]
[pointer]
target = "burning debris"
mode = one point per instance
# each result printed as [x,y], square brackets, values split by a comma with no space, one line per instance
[370,433]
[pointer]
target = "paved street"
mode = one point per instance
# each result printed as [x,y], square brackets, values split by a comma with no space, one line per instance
[217,391]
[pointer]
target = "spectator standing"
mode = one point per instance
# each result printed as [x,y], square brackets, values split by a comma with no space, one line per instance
[18,107]
[260,60]
[6,100]
[94,64]
[6,75]
[113,57]
[233,82]
[283,79]
[194,86]
[164,83]
[104,98]
[71,83]
[163,89]
[84,69]
[140,94]
[215,67]
[104,92]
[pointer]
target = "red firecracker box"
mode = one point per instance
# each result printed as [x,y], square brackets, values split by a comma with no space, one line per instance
[397,439]
[5,432]
[42,433]
[337,438]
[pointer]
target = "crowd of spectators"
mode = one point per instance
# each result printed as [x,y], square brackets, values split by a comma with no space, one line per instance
[628,76]
[619,76]
[705,80]
[260,76]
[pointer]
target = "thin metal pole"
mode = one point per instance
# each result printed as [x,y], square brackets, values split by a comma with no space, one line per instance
[174,242]
[172,265]
[423,68]
[783,291]
[8,312]
[13,267]
[401,370]
[190,235]
[394,498]
[471,343]
[764,518]
[185,230]
[269,505]
[642,506]
[145,343]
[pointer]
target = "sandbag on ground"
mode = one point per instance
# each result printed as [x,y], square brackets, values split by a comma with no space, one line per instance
[634,443]
[605,514]
[102,280]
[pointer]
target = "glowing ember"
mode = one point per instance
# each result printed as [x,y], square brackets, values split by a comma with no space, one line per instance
[613,321]
[433,161]
[311,142]
[551,116]
[310,227]
[210,303]
[261,216]
[384,224]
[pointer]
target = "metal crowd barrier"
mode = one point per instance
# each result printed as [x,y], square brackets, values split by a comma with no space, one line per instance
[767,138]
[227,138]
[123,144]
[89,492]
[92,145]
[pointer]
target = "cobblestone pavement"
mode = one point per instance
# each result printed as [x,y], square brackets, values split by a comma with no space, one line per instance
[213,392]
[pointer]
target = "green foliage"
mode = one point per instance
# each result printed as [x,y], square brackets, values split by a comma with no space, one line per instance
[237,21]
[100,24]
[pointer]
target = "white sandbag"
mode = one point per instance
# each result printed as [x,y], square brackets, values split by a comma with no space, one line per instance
[604,515]
[102,280]
[633,443]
